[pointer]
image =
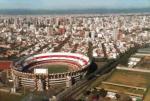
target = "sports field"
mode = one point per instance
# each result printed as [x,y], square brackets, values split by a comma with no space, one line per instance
[132,78]
[122,89]
[57,68]
[129,82]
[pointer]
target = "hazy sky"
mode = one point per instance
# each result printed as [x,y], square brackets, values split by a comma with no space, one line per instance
[72,4]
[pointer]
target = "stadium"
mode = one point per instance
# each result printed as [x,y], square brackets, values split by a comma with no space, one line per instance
[48,69]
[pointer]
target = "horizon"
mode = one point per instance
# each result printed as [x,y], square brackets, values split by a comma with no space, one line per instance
[75,9]
[78,4]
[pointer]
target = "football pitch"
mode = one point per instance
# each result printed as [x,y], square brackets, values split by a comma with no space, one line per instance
[57,68]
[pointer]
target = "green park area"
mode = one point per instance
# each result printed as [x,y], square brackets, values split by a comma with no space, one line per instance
[6,96]
[131,78]
[57,68]
[129,82]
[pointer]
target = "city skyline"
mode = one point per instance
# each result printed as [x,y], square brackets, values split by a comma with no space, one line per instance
[78,4]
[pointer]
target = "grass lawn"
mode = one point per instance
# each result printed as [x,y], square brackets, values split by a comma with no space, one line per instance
[147,96]
[131,78]
[5,96]
[126,90]
[57,68]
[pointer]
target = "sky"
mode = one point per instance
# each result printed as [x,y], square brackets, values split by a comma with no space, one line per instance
[73,4]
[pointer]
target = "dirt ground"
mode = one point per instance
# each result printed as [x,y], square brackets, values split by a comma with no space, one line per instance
[131,78]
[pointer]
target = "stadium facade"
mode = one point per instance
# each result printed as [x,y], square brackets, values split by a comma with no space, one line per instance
[29,76]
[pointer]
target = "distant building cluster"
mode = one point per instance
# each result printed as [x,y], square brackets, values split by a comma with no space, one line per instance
[104,36]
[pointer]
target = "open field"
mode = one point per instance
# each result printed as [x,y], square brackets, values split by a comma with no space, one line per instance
[57,68]
[122,89]
[128,82]
[147,97]
[131,78]
[5,96]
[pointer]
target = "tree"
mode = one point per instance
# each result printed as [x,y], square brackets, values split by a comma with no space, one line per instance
[102,92]
[124,97]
